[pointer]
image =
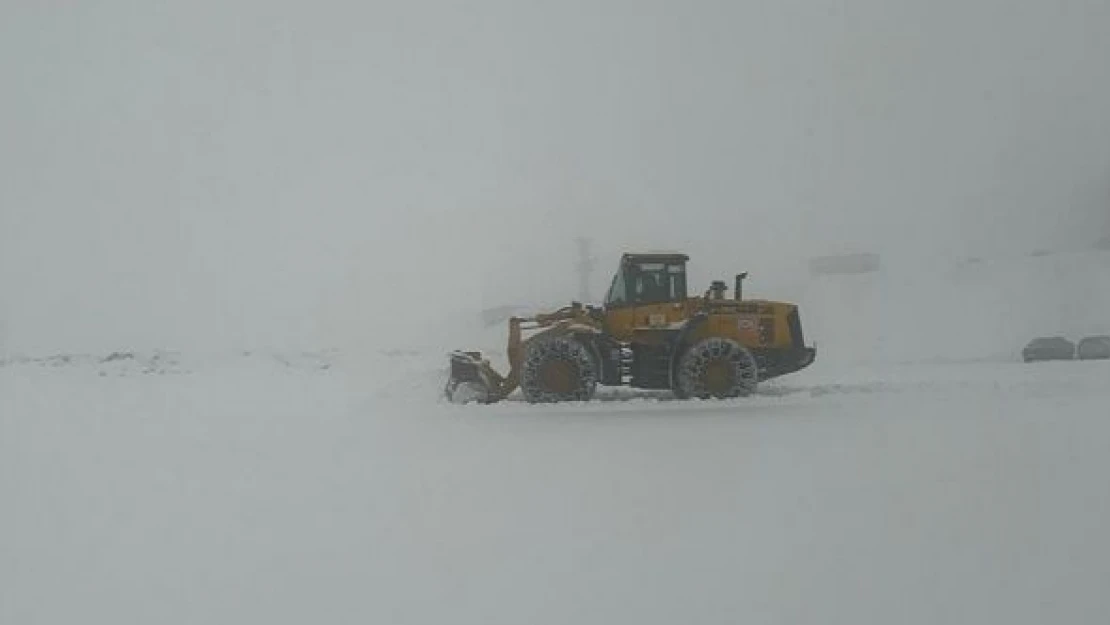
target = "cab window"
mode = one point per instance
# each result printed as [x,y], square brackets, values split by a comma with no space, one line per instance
[657,282]
[617,291]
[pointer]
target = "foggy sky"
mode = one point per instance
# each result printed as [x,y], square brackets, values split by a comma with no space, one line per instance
[306,174]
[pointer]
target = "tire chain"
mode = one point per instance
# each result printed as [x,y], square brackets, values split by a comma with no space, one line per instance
[558,348]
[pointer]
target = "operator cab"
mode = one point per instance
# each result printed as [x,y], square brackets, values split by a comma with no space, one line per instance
[648,279]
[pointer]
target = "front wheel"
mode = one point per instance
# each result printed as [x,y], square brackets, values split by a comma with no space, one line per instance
[716,367]
[558,368]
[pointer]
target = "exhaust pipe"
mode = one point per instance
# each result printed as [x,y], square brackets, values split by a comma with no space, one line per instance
[738,293]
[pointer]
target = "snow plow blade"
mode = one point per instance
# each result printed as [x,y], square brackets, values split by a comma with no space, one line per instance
[471,379]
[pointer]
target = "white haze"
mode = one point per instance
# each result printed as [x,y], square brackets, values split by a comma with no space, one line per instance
[340,174]
[214,176]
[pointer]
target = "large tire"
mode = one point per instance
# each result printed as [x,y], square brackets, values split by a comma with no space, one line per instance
[716,367]
[558,368]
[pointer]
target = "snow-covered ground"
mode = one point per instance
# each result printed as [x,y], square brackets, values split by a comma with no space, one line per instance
[273,489]
[917,473]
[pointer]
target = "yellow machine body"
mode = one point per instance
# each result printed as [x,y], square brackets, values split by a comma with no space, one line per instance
[642,336]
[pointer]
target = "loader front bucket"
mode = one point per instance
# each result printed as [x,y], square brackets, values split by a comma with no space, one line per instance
[471,379]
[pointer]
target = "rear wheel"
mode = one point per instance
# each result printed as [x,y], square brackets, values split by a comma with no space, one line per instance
[717,367]
[558,368]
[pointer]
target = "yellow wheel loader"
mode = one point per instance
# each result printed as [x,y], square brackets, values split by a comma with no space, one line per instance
[648,334]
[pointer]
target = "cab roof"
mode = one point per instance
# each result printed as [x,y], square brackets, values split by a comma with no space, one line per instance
[654,257]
